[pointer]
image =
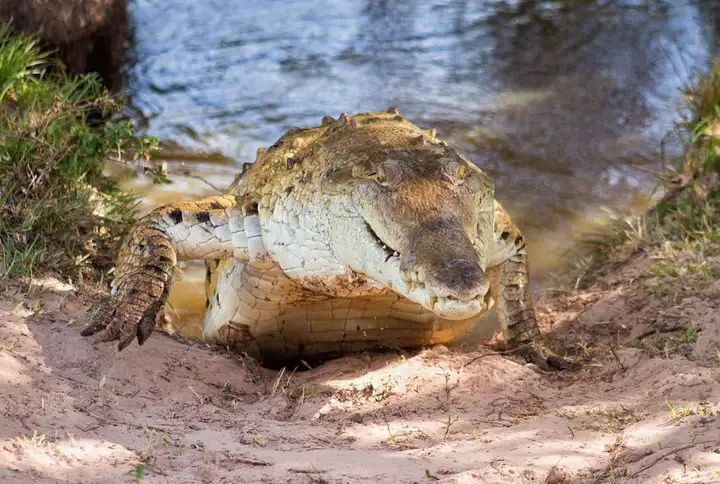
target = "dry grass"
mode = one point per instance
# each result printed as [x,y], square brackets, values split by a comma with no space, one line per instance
[58,211]
[684,223]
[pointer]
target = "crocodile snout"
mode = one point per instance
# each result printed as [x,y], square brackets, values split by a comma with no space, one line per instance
[453,289]
[441,265]
[460,279]
[460,287]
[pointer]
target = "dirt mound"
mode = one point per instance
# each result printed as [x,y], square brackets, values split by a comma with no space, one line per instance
[642,408]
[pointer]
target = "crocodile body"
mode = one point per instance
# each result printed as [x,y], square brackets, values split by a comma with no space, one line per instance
[363,232]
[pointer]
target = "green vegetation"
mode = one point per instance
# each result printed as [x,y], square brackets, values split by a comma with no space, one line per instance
[678,413]
[58,211]
[138,472]
[684,225]
[637,344]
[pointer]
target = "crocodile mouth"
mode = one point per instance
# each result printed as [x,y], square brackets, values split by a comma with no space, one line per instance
[389,251]
[454,307]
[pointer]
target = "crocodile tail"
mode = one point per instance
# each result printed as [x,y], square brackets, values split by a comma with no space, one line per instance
[211,277]
[510,281]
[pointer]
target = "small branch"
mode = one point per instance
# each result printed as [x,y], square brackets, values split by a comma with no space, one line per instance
[664,329]
[252,461]
[139,164]
[201,399]
[659,176]
[312,470]
[495,353]
[220,190]
[612,350]
[663,455]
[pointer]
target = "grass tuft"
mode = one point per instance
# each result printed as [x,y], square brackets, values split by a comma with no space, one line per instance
[687,214]
[59,212]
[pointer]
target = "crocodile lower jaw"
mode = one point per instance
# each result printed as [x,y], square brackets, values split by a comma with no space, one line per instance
[450,308]
[446,307]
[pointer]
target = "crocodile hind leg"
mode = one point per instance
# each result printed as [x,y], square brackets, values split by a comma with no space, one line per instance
[210,228]
[510,292]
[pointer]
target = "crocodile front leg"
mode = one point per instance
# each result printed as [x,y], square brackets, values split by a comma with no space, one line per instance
[510,292]
[210,228]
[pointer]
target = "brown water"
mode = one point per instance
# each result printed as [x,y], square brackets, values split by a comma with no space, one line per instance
[563,103]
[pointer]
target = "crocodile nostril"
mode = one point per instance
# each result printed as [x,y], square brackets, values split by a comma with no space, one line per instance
[461,277]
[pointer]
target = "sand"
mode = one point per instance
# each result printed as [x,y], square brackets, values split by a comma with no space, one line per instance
[179,412]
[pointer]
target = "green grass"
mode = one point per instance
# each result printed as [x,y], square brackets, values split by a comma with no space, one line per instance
[663,269]
[638,344]
[686,217]
[678,413]
[689,335]
[138,472]
[59,212]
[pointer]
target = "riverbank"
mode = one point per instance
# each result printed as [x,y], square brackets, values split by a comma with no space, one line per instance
[59,211]
[642,408]
[640,316]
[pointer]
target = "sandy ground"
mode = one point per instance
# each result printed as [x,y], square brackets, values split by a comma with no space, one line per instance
[184,412]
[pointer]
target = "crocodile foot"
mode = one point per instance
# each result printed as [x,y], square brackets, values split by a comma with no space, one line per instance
[543,358]
[133,314]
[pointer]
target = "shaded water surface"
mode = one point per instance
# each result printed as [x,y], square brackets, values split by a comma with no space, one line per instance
[563,103]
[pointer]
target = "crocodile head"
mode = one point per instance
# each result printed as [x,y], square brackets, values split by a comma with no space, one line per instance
[418,221]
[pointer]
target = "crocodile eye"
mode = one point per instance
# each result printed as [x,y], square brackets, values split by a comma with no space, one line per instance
[359,171]
[456,172]
[376,173]
[380,176]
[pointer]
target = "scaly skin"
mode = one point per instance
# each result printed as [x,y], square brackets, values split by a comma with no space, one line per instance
[146,263]
[360,233]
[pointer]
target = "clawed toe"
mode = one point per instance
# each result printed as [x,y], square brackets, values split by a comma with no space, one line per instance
[544,359]
[120,320]
[558,363]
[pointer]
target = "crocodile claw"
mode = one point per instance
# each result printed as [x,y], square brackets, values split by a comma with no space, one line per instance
[133,314]
[543,358]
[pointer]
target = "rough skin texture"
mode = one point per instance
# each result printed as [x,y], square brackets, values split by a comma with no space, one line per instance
[364,232]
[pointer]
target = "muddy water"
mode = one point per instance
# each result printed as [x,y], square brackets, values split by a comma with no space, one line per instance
[564,103]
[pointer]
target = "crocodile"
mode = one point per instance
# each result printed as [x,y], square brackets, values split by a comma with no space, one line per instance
[364,232]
